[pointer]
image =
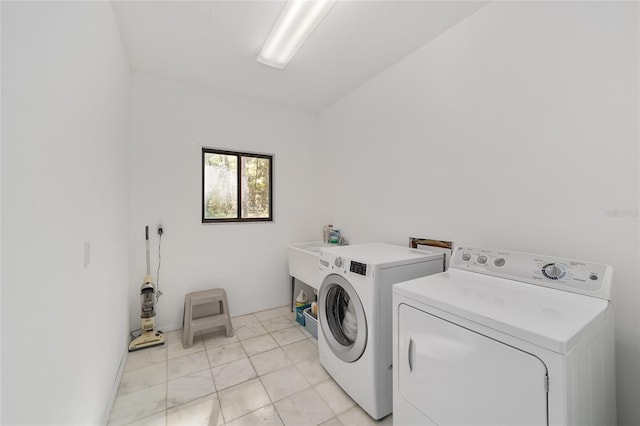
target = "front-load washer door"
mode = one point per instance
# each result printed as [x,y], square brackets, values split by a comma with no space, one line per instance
[342,318]
[456,376]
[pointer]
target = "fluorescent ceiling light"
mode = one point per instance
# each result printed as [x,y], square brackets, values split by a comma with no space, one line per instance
[296,23]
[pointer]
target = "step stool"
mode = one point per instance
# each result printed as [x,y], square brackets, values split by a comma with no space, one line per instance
[190,325]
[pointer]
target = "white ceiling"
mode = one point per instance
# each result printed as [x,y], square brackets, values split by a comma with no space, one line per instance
[215,44]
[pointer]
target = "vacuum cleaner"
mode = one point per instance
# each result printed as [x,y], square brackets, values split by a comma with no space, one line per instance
[150,336]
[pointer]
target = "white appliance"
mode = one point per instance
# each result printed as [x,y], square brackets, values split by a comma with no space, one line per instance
[354,337]
[505,338]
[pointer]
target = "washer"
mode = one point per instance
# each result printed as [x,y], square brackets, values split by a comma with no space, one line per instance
[505,338]
[354,301]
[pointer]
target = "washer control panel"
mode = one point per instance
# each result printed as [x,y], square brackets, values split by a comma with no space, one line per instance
[341,264]
[592,279]
[358,268]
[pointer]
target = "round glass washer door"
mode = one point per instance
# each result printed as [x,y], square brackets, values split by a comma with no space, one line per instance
[344,325]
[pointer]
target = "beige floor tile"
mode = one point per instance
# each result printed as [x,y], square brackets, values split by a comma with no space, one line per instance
[356,416]
[269,361]
[243,320]
[173,336]
[291,316]
[303,408]
[335,397]
[265,416]
[175,346]
[334,421]
[201,412]
[146,357]
[233,373]
[313,371]
[306,332]
[259,344]
[248,331]
[138,405]
[189,388]
[288,335]
[187,364]
[243,399]
[158,419]
[234,380]
[275,324]
[302,350]
[286,311]
[218,338]
[270,313]
[219,355]
[141,378]
[283,383]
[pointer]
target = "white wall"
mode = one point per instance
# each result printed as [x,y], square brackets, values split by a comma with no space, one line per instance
[171,122]
[517,128]
[65,108]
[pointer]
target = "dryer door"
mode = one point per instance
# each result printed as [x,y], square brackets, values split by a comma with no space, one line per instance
[342,318]
[456,376]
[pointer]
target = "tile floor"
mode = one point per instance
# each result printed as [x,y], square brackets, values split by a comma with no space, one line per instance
[268,373]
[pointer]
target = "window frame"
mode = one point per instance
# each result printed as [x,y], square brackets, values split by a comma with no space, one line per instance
[239,155]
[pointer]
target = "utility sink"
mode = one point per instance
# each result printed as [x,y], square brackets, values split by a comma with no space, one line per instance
[304,262]
[314,249]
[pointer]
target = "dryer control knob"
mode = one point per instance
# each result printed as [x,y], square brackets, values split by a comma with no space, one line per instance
[466,256]
[499,261]
[338,262]
[552,271]
[482,259]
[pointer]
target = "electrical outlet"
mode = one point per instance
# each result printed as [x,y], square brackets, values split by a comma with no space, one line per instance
[160,229]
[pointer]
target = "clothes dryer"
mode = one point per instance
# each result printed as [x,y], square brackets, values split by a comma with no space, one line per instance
[505,338]
[354,309]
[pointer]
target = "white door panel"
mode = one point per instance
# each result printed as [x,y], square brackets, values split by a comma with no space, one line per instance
[455,376]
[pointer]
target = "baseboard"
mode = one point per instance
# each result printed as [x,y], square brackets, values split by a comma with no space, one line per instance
[170,327]
[116,385]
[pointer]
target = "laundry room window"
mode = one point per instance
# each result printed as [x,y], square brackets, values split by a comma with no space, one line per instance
[236,186]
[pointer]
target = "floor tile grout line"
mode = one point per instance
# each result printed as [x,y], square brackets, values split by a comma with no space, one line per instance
[167,408]
[206,351]
[269,396]
[259,376]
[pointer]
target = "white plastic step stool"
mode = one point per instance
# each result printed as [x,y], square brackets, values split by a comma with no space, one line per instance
[190,326]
